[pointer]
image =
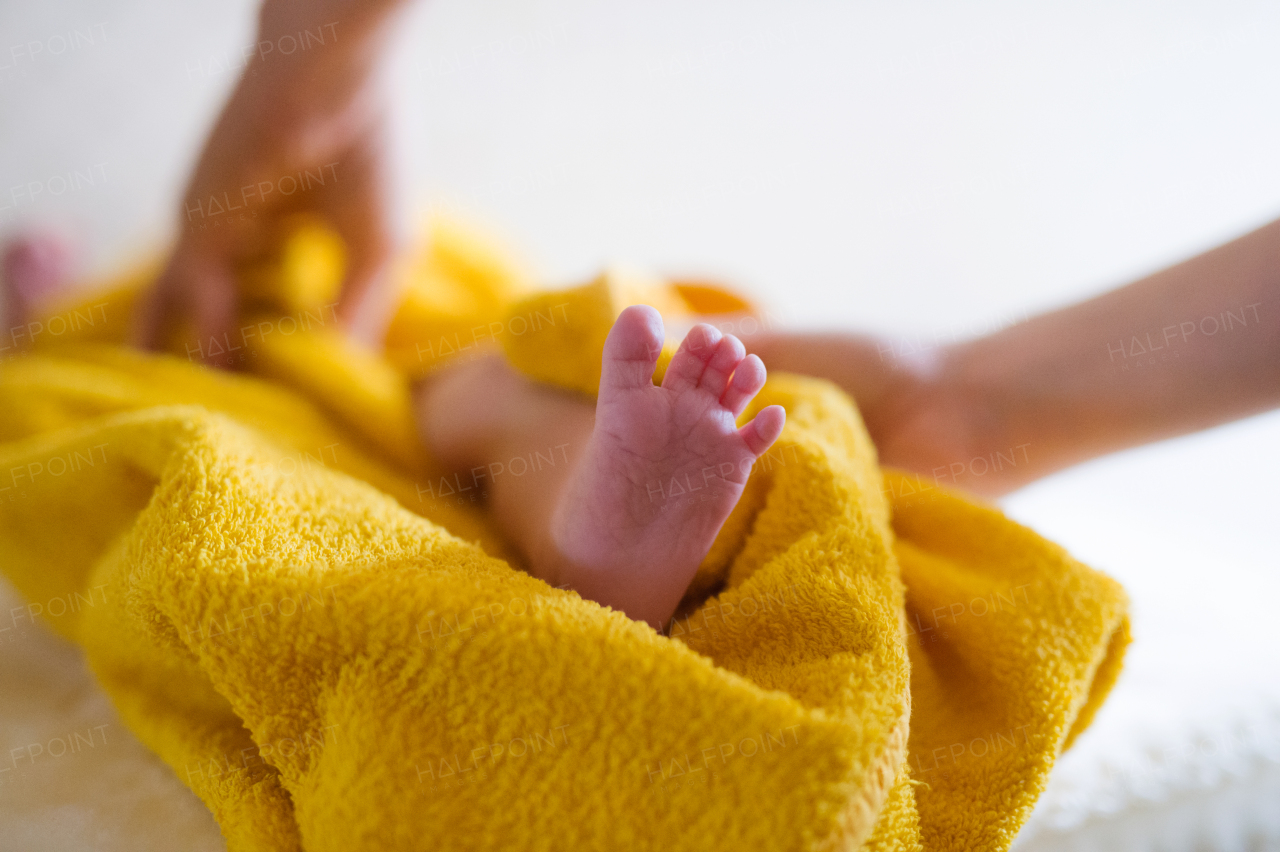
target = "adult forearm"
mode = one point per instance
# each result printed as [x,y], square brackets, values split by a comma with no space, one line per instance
[1189,347]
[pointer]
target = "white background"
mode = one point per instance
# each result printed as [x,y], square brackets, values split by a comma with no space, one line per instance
[921,169]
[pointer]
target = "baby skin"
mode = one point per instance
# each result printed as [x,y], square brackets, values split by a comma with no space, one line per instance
[602,522]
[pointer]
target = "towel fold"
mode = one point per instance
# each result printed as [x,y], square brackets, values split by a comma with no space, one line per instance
[328,641]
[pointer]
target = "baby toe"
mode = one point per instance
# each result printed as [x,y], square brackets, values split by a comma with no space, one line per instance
[631,350]
[747,380]
[691,359]
[726,358]
[763,429]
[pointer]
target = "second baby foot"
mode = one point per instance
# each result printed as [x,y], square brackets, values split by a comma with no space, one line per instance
[621,536]
[33,268]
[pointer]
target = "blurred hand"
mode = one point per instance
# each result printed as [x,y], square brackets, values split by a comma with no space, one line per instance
[922,417]
[303,133]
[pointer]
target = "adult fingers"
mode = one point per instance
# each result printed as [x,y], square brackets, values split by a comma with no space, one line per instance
[215,305]
[200,287]
[361,205]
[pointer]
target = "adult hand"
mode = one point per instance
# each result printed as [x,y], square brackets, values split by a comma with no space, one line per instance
[304,132]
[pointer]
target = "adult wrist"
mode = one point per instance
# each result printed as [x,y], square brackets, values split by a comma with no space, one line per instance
[321,43]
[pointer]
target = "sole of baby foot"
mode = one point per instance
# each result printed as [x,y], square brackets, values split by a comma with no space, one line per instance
[664,466]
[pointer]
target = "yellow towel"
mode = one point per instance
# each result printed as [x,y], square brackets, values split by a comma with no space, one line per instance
[302,616]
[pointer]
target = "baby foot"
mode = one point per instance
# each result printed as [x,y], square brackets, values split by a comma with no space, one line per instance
[32,269]
[663,468]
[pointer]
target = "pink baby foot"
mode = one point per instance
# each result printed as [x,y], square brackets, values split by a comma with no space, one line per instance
[32,270]
[622,537]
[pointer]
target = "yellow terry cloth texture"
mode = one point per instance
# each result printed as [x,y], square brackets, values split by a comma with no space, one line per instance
[317,630]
